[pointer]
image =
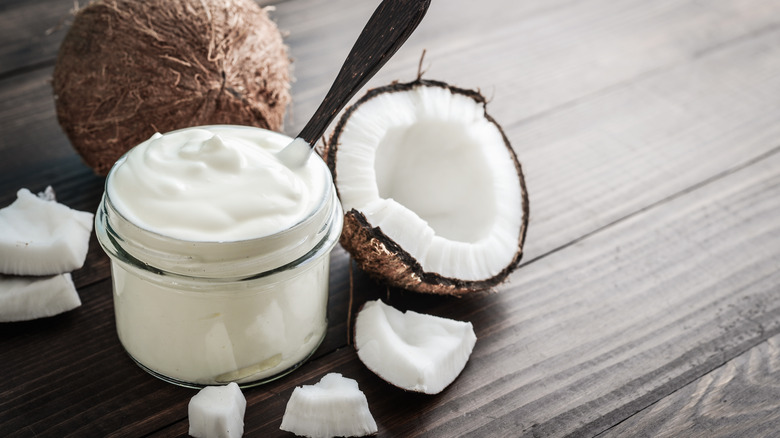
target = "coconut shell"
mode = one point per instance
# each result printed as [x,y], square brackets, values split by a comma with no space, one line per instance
[129,68]
[378,254]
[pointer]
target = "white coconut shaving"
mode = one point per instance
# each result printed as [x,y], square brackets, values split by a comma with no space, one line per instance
[333,407]
[39,236]
[413,351]
[217,412]
[41,242]
[26,298]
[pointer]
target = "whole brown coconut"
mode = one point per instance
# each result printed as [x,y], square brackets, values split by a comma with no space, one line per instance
[422,169]
[129,68]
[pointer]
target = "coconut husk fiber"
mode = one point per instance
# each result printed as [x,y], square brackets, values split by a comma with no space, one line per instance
[129,68]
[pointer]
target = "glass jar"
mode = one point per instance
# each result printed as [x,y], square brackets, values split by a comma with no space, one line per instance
[200,313]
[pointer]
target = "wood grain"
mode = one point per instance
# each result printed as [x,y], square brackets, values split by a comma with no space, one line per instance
[739,399]
[529,57]
[649,137]
[69,374]
[678,116]
[586,337]
[31,31]
[622,150]
[31,133]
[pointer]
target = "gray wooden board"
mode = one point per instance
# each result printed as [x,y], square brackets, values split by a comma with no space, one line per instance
[625,149]
[529,57]
[31,31]
[586,163]
[584,338]
[649,135]
[738,399]
[593,333]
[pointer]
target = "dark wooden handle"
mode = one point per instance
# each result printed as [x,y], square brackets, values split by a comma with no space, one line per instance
[386,30]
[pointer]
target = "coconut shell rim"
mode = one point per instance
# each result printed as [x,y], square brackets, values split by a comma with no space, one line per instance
[438,284]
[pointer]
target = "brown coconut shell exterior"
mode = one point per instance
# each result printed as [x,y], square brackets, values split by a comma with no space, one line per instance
[128,68]
[381,257]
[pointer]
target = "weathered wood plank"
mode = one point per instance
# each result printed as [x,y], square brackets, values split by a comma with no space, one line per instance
[620,151]
[680,121]
[739,399]
[613,109]
[31,31]
[586,337]
[28,122]
[638,310]
[69,374]
[530,57]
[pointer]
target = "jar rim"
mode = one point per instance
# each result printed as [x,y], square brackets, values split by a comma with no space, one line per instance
[325,196]
[193,282]
[239,258]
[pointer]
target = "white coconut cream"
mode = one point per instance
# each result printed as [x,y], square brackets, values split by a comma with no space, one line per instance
[214,184]
[220,254]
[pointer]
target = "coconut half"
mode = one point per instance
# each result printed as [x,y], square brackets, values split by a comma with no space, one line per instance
[413,351]
[433,192]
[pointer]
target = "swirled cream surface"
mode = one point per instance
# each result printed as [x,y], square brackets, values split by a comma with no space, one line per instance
[214,184]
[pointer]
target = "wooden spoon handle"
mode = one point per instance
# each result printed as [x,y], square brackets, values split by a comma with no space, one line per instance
[387,29]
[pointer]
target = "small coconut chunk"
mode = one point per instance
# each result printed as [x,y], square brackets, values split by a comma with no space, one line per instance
[42,237]
[333,407]
[26,298]
[413,351]
[217,412]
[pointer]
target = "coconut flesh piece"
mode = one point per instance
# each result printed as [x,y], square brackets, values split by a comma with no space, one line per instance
[434,193]
[42,237]
[26,298]
[334,406]
[413,351]
[217,412]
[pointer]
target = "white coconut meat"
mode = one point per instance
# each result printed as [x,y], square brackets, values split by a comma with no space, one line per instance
[27,298]
[39,236]
[413,351]
[334,406]
[425,164]
[217,412]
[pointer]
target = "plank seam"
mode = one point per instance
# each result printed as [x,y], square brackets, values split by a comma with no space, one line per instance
[695,56]
[762,338]
[26,69]
[689,189]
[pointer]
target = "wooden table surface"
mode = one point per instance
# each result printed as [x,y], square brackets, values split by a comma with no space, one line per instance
[648,299]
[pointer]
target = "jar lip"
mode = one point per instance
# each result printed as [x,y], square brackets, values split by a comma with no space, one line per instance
[223,261]
[326,195]
[127,240]
[194,281]
[311,215]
